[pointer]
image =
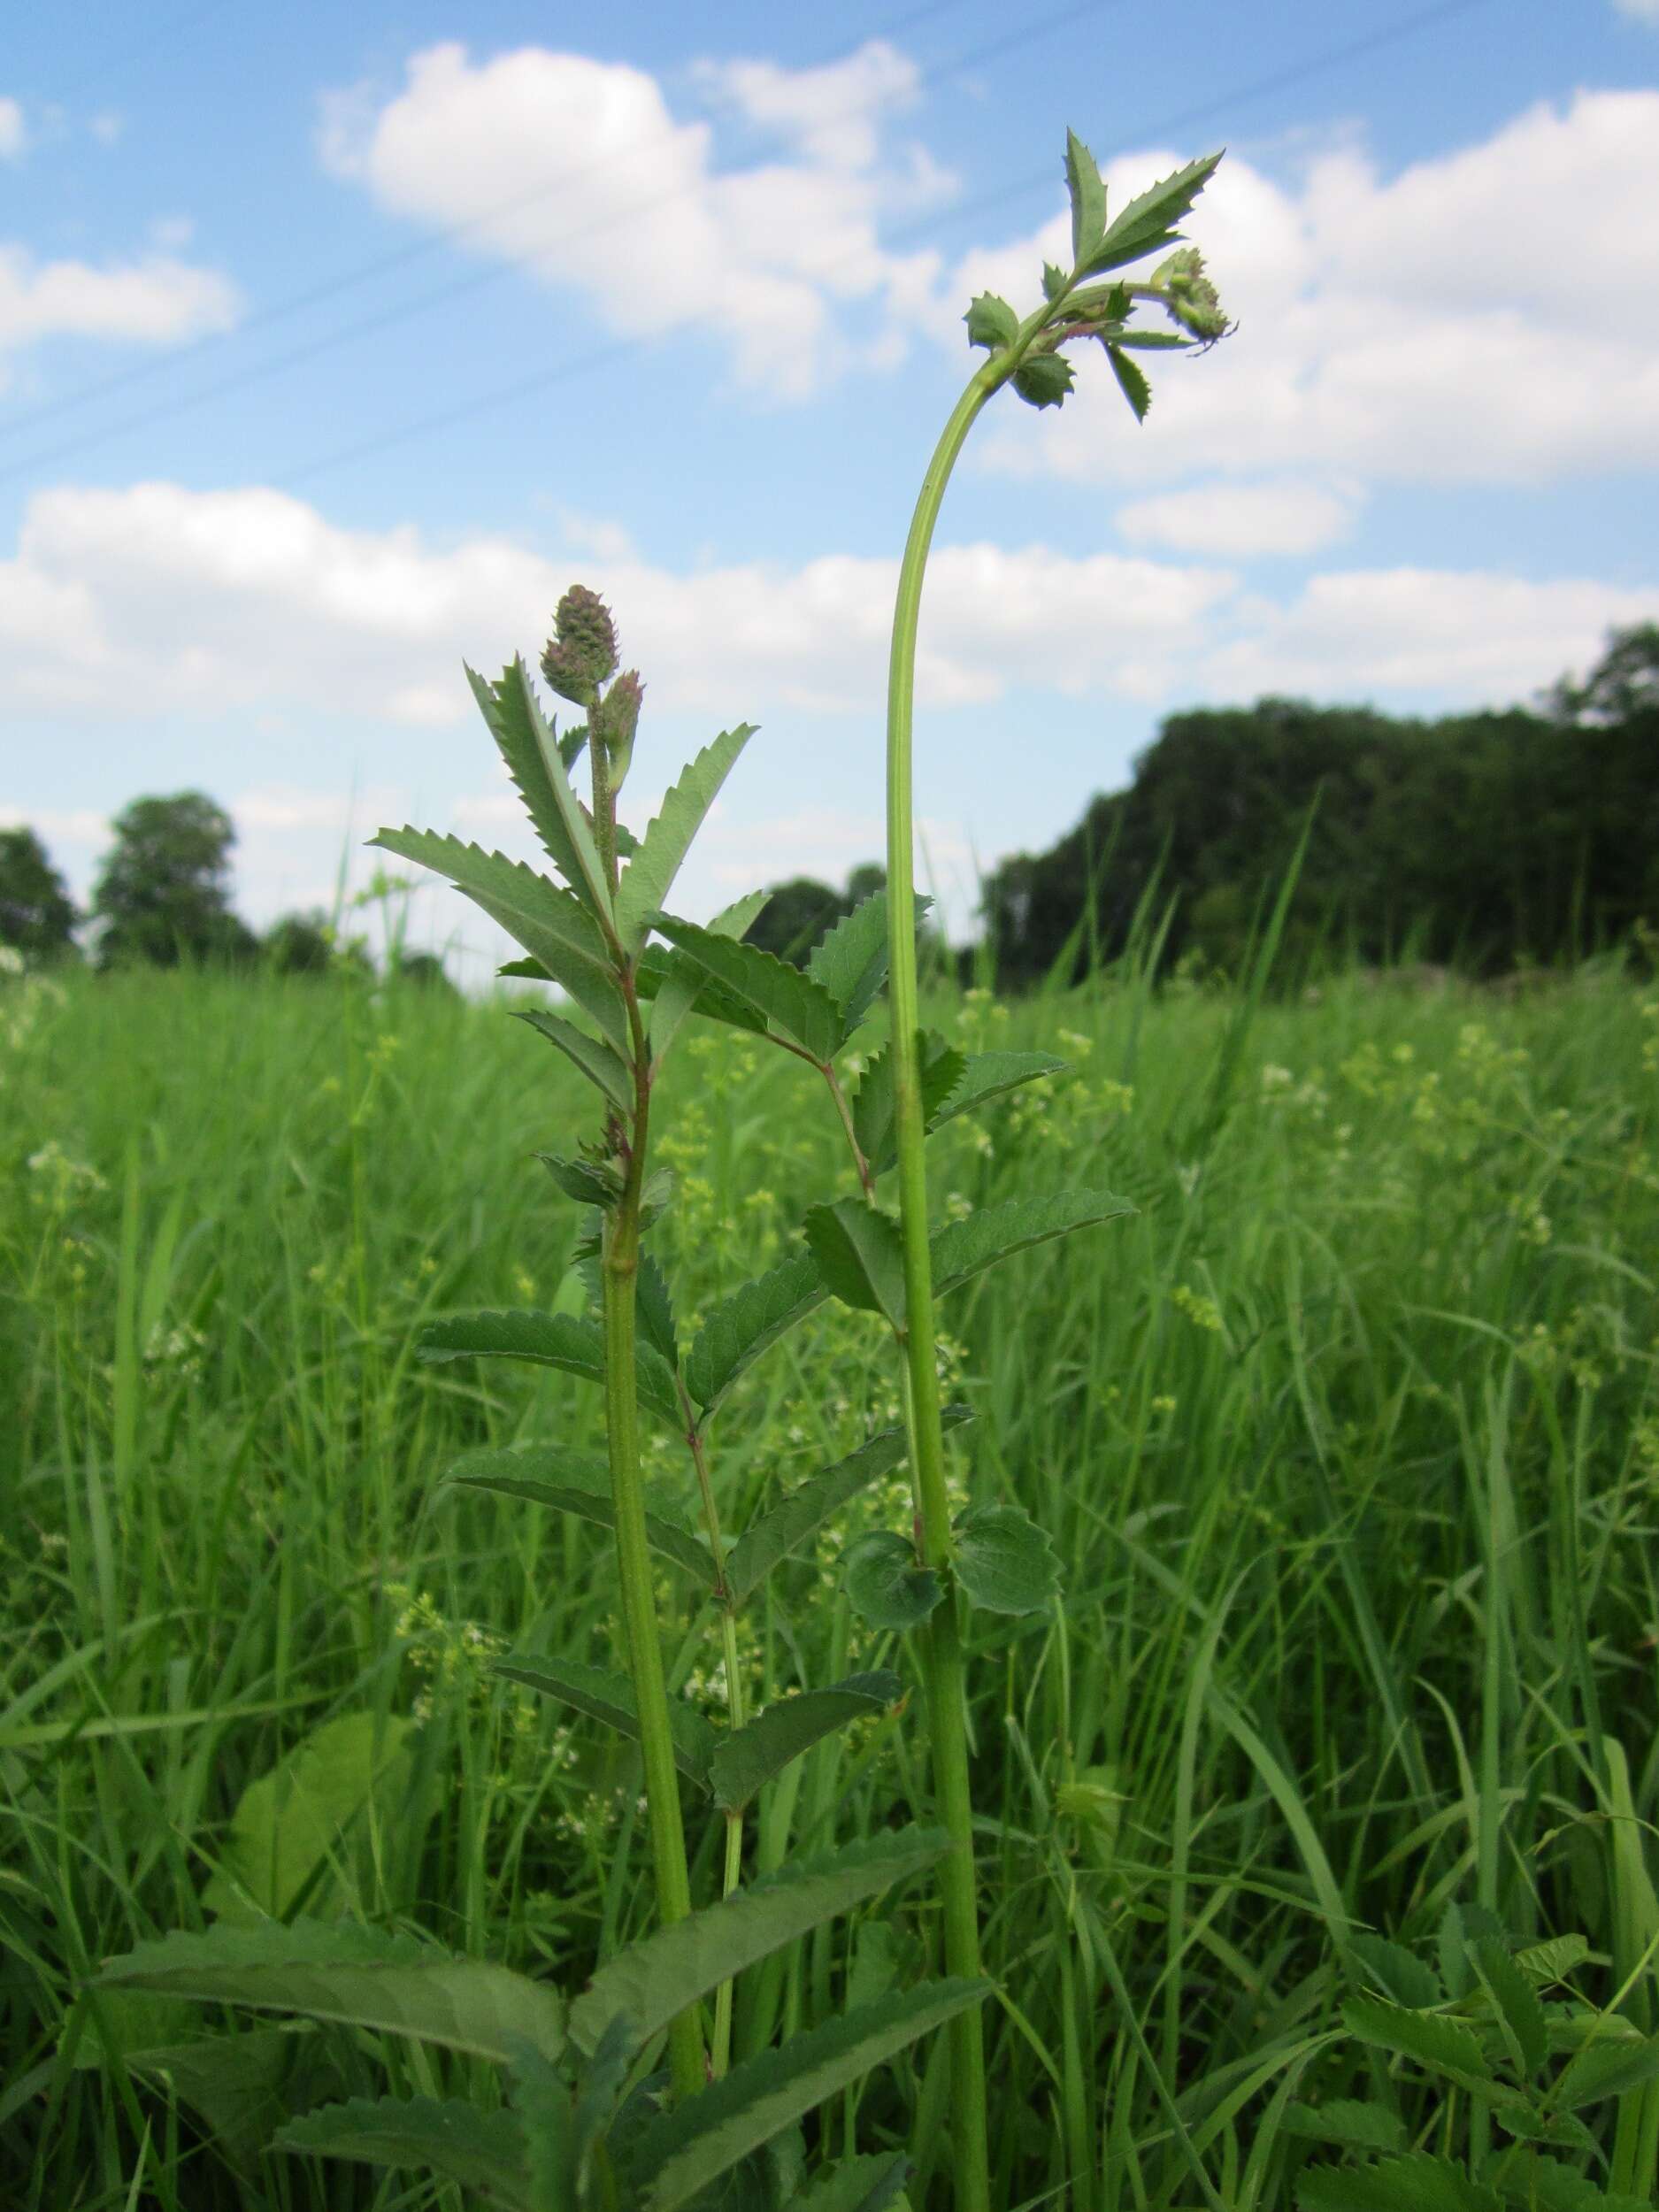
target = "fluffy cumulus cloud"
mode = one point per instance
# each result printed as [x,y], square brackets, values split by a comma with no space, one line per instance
[1242,520]
[156,300]
[13,134]
[580,172]
[1640,11]
[1490,316]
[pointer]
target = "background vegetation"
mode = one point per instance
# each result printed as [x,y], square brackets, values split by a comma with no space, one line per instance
[1349,1441]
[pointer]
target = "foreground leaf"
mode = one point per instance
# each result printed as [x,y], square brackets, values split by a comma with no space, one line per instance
[680,986]
[652,1982]
[790,1003]
[965,1248]
[567,1341]
[479,2150]
[1397,1972]
[745,1759]
[518,709]
[599,1062]
[1520,2016]
[885,1587]
[746,1323]
[1607,2069]
[646,880]
[1371,2127]
[860,2184]
[989,1075]
[860,1254]
[687,2148]
[1004,1561]
[605,1696]
[1149,221]
[1087,196]
[851,962]
[1417,2183]
[942,1069]
[359,1976]
[795,1519]
[1441,2045]
[579,1483]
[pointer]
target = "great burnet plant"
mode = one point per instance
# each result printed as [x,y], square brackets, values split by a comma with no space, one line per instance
[581,2126]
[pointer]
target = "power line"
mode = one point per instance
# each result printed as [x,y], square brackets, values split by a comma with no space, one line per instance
[576,365]
[398,256]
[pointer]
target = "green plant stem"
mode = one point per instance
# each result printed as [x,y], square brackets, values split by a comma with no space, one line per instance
[940,1640]
[620,1271]
[720,2042]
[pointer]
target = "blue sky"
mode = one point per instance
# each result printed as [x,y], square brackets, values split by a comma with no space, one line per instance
[334,343]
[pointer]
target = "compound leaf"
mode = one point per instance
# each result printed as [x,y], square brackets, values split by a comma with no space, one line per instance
[609,1697]
[480,2150]
[359,1976]
[796,1518]
[1368,2127]
[683,2150]
[651,1982]
[1005,1562]
[789,1003]
[943,1072]
[1397,1972]
[744,1325]
[599,1062]
[511,706]
[568,1341]
[988,1075]
[1441,2045]
[579,1484]
[745,1759]
[646,880]
[851,962]
[679,987]
[885,1587]
[860,1254]
[1149,219]
[965,1248]
[1607,2069]
[1416,2183]
[1520,2016]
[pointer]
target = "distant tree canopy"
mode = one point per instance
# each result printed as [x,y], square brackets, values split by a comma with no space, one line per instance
[796,915]
[163,892]
[37,915]
[1482,840]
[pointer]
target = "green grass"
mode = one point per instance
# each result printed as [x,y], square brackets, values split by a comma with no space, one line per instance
[1349,1441]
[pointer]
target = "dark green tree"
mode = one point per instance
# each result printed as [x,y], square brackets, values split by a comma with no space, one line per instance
[37,915]
[297,944]
[796,915]
[163,892]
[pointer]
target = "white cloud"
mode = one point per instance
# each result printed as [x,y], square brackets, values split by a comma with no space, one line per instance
[1239,521]
[578,171]
[13,134]
[1640,11]
[158,300]
[69,826]
[1490,315]
[1471,638]
[107,126]
[159,599]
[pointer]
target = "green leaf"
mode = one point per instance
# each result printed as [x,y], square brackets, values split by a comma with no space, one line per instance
[1005,1562]
[481,2150]
[609,1697]
[1149,221]
[361,1977]
[860,1254]
[791,1004]
[656,1310]
[544,2108]
[1552,1961]
[1440,2045]
[991,322]
[240,2086]
[885,1585]
[1607,2069]
[746,1323]
[686,2148]
[795,1519]
[1054,281]
[1544,2185]
[745,1759]
[579,1483]
[1371,2127]
[567,1341]
[1397,1972]
[646,880]
[942,1070]
[851,962]
[1043,380]
[1153,341]
[1520,2016]
[965,1248]
[652,1982]
[515,718]
[553,924]
[1087,196]
[599,1062]
[589,1182]
[1131,381]
[989,1075]
[1414,2184]
[290,1824]
[679,987]
[859,2184]
[518,741]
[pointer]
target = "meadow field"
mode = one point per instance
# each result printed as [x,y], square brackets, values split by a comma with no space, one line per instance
[1347,1440]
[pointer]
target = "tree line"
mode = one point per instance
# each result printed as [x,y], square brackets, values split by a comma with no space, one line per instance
[1481,841]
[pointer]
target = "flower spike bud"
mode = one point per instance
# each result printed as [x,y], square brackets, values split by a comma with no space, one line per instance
[616,717]
[1191,298]
[582,650]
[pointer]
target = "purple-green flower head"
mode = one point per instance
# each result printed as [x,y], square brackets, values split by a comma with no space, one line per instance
[619,713]
[582,650]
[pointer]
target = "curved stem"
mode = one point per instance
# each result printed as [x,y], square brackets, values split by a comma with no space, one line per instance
[940,1640]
